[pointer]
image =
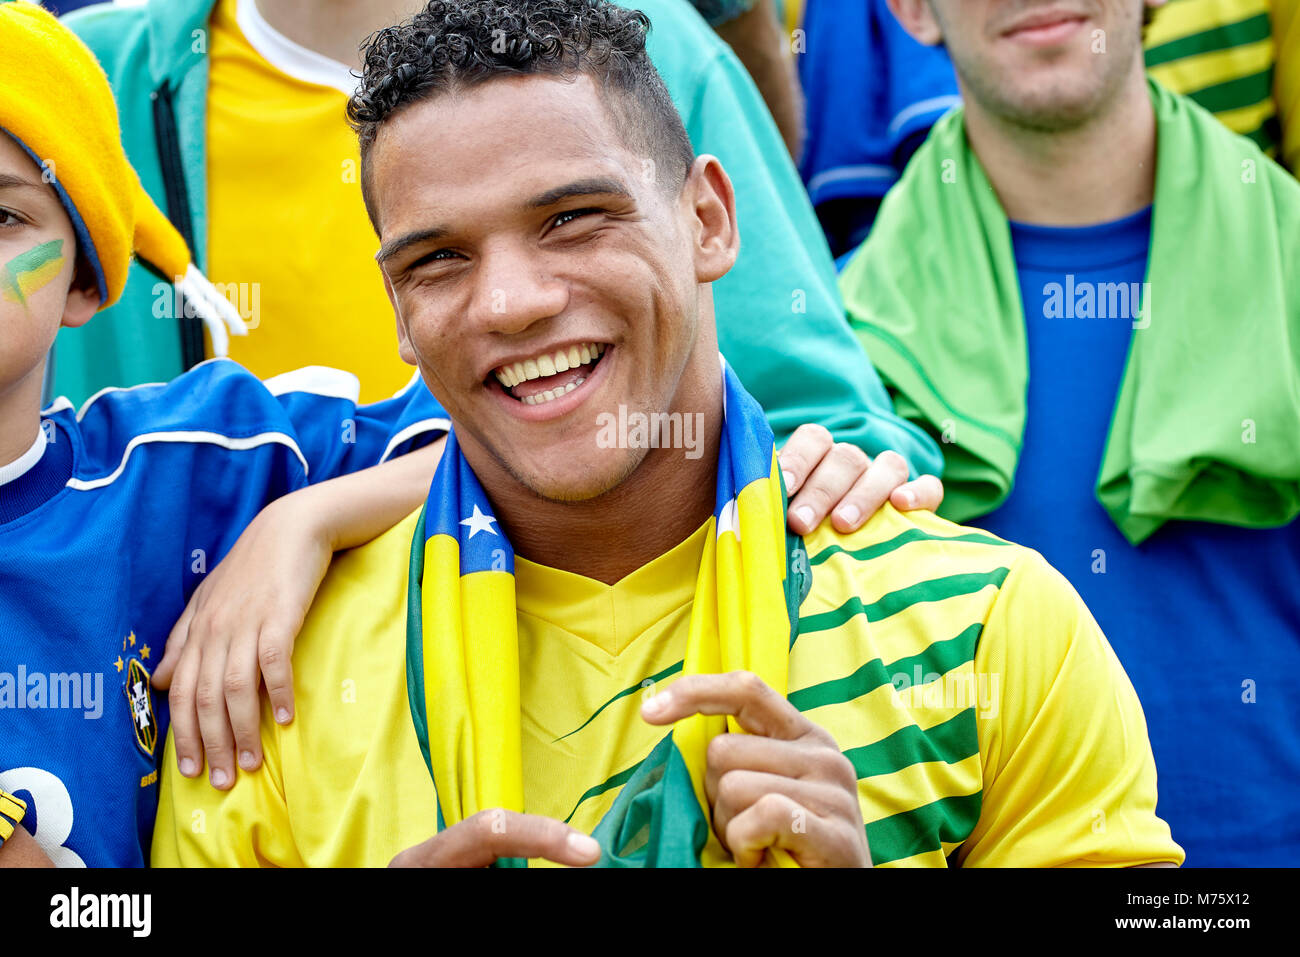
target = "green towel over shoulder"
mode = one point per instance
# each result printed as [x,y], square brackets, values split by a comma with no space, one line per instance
[1206,426]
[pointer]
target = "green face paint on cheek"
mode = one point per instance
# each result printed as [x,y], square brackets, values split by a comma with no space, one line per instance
[29,271]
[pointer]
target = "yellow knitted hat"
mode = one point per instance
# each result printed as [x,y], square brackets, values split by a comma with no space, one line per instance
[57,104]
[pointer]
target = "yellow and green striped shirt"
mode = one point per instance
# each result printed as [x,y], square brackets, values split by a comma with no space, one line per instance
[988,719]
[1221,53]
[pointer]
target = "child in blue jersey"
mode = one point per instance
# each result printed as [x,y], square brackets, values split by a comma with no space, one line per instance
[111,515]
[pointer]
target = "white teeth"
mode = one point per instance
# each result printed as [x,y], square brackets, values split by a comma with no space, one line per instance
[548,365]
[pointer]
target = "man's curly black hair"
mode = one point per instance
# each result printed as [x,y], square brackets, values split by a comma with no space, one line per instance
[454,44]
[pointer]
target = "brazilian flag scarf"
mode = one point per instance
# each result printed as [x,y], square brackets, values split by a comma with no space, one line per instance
[1206,425]
[462,651]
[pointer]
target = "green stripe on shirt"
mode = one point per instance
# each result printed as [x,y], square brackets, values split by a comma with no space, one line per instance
[1223,37]
[939,658]
[935,589]
[951,742]
[898,541]
[925,828]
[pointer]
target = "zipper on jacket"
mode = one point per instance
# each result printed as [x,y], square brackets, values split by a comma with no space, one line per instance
[178,208]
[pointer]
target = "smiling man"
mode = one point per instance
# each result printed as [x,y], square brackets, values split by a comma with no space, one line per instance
[581,652]
[1088,287]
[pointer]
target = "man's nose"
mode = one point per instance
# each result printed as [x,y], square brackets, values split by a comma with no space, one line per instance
[515,290]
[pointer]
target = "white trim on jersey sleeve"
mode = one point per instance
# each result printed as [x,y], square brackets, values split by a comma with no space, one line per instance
[318,380]
[58,405]
[414,429]
[210,438]
[85,406]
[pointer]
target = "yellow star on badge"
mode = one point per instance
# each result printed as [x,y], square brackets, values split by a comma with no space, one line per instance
[118,664]
[144,652]
[131,638]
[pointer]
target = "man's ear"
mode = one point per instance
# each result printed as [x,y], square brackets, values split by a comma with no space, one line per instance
[716,240]
[918,19]
[404,348]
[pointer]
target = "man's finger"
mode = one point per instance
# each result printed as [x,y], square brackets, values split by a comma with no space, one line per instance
[275,656]
[925,492]
[802,453]
[176,639]
[777,821]
[489,835]
[887,472]
[791,759]
[736,791]
[242,683]
[836,474]
[756,707]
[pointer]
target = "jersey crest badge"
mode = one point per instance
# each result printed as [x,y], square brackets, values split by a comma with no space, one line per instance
[140,697]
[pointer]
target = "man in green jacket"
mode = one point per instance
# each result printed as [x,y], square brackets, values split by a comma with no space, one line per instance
[786,336]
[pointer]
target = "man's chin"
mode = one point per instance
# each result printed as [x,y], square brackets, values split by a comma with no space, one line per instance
[1053,107]
[576,479]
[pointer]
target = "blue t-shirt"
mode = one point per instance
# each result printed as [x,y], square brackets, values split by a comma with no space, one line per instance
[1204,617]
[103,540]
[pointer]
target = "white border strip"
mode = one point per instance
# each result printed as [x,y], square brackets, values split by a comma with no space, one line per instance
[424,425]
[211,438]
[289,57]
[838,174]
[935,104]
[318,380]
[25,462]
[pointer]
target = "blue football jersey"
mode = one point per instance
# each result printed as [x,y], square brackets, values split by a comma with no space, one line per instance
[872,93]
[133,500]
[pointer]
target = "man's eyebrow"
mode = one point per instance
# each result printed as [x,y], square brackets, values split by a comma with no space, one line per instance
[390,249]
[597,186]
[10,181]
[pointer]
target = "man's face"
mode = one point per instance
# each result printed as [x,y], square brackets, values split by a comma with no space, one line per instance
[1043,64]
[540,273]
[37,265]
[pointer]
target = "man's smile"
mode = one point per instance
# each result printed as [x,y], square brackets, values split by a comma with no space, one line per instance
[552,382]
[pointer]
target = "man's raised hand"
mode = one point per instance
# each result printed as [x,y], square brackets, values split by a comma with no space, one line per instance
[785,784]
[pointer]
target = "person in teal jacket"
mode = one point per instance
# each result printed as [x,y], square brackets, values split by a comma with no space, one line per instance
[785,333]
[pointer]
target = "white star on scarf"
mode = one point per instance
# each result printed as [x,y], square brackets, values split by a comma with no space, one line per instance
[478,522]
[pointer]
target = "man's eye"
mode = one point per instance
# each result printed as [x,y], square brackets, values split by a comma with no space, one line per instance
[439,255]
[567,217]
